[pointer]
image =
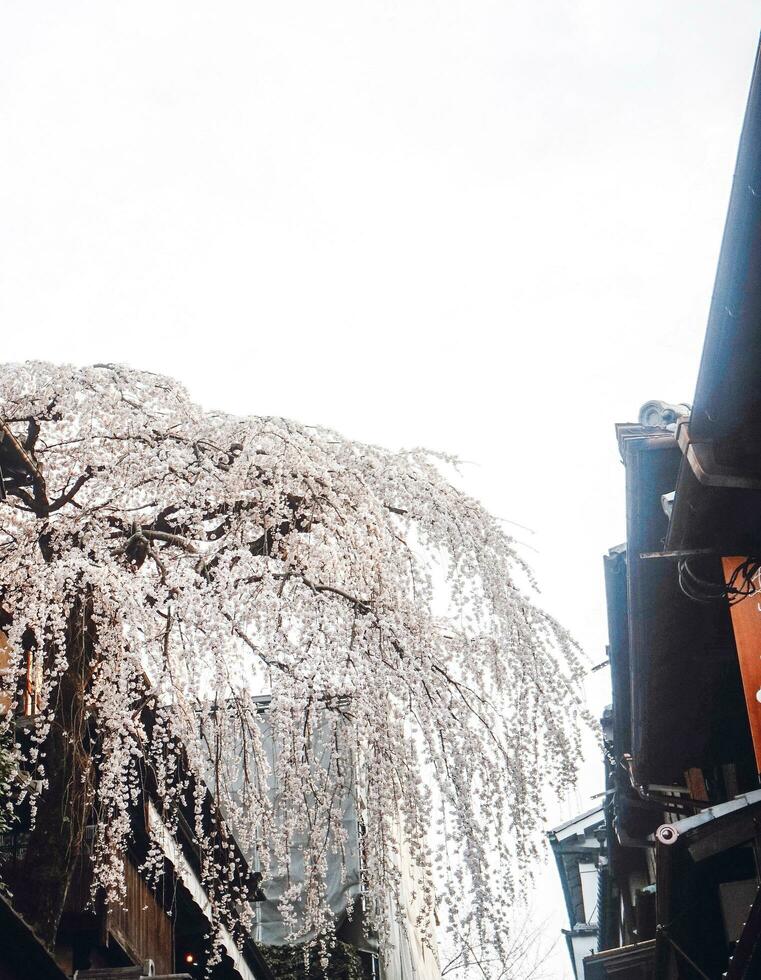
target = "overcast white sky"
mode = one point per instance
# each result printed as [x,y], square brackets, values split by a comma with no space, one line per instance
[485,226]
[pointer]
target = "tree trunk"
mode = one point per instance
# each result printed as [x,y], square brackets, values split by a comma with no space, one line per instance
[57,837]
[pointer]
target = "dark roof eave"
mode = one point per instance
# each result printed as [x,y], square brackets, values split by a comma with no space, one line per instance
[727,378]
[23,949]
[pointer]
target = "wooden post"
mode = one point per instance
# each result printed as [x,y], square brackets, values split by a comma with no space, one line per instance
[746,623]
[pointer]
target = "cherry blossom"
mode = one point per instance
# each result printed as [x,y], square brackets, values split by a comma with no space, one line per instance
[385,614]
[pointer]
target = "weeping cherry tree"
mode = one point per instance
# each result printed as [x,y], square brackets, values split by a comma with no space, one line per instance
[166,566]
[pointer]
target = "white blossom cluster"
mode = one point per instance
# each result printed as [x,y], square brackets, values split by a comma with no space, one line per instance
[224,557]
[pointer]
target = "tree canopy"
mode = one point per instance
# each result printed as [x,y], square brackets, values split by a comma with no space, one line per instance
[219,558]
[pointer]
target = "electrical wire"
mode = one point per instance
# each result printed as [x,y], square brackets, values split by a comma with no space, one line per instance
[742,583]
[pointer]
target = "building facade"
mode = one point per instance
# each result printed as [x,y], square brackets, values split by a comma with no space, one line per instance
[680,874]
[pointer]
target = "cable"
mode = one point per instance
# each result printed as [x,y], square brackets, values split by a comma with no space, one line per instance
[741,583]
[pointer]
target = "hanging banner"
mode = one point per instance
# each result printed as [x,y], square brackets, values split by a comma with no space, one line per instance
[746,623]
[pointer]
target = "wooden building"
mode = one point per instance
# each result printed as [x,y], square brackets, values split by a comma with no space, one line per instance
[160,927]
[577,846]
[680,879]
[163,925]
